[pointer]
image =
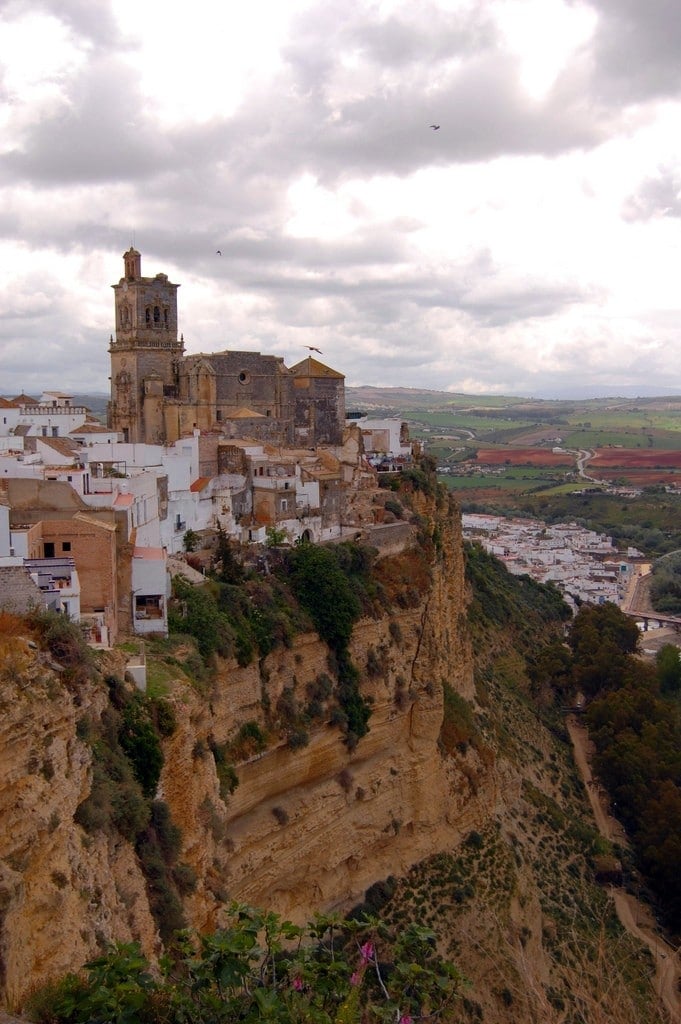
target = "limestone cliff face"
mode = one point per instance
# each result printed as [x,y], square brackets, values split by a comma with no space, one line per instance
[305,829]
[61,892]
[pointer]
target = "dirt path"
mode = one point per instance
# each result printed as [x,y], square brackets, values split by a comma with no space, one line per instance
[634,915]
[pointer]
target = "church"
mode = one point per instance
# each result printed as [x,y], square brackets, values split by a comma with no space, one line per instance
[159,394]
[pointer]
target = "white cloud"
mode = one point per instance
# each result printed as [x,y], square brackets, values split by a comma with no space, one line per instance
[530,240]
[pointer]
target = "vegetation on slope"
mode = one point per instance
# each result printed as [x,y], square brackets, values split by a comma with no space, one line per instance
[665,586]
[634,720]
[517,899]
[127,757]
[261,968]
[515,903]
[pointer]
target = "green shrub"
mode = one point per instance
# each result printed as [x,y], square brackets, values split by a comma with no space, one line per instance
[141,744]
[225,770]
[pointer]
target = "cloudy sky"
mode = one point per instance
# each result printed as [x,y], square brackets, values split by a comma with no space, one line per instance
[530,245]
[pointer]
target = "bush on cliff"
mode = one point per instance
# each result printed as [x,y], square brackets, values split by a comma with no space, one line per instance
[127,758]
[333,584]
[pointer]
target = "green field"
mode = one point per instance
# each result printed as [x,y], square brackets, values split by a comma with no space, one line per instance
[661,441]
[518,478]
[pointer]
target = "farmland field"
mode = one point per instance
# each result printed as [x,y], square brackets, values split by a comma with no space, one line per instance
[498,455]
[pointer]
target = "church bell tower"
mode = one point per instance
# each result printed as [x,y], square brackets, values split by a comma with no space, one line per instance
[145,352]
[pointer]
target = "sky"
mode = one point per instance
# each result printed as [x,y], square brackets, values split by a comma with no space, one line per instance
[529,245]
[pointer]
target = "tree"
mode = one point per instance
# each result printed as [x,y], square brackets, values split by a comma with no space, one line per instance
[190,540]
[668,668]
[227,568]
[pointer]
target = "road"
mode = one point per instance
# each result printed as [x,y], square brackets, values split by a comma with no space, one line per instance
[634,915]
[581,458]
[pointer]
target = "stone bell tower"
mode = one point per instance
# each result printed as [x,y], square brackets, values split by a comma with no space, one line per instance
[144,353]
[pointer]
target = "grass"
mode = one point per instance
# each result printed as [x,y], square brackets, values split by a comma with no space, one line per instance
[521,479]
[646,439]
[160,678]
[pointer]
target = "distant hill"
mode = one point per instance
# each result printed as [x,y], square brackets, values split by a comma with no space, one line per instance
[96,404]
[378,399]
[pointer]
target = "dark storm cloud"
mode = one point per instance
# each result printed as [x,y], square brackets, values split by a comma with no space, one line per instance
[449,70]
[453,75]
[353,99]
[398,41]
[100,135]
[637,49]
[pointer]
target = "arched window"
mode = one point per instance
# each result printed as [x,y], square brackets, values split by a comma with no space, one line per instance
[157,315]
[165,317]
[147,315]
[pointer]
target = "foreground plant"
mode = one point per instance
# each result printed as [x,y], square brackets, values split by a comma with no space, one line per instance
[261,968]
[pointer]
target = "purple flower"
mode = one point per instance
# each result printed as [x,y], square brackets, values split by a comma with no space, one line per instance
[355,978]
[406,1019]
[367,951]
[298,984]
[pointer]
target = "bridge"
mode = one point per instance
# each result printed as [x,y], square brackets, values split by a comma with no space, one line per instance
[657,618]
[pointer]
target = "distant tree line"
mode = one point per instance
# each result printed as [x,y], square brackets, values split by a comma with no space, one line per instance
[665,586]
[633,712]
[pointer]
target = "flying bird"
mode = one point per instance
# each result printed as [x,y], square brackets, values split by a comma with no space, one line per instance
[313,349]
[435,127]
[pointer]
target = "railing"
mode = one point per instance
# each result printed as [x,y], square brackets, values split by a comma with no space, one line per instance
[53,410]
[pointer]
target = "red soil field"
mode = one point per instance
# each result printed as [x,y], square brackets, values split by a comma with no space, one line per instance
[637,477]
[635,457]
[525,457]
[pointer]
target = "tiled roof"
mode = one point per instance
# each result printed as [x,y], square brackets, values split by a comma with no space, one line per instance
[200,483]
[313,368]
[245,414]
[91,428]
[61,445]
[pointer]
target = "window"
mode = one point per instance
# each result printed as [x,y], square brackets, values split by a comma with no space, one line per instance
[147,315]
[244,377]
[149,606]
[55,431]
[43,431]
[283,506]
[66,545]
[157,315]
[48,549]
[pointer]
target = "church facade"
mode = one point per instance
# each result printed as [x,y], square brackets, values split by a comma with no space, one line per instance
[159,394]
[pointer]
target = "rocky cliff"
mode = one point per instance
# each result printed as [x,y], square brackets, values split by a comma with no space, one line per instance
[305,828]
[461,790]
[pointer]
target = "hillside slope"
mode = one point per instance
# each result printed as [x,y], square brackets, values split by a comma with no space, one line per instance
[458,793]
